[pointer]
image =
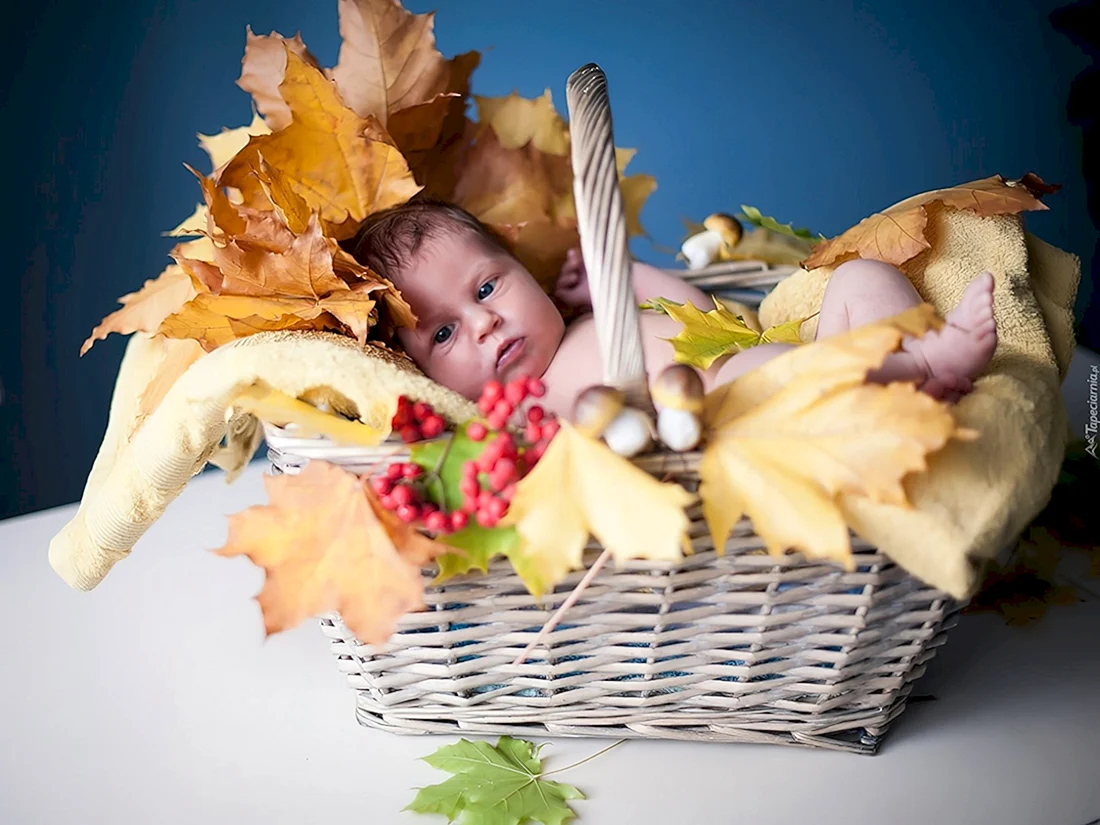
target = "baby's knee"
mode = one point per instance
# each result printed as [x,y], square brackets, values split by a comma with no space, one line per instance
[864,269]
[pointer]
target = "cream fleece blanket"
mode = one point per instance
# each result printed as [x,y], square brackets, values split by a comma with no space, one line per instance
[975,497]
[973,500]
[133,480]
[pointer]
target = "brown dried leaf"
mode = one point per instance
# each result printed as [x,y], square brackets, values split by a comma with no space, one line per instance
[897,234]
[179,355]
[147,308]
[213,320]
[518,121]
[507,186]
[388,60]
[541,246]
[262,71]
[223,146]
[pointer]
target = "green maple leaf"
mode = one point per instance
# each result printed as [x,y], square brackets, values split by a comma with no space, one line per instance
[478,545]
[494,785]
[756,218]
[429,454]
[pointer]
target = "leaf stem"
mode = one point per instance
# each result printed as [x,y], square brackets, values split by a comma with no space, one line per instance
[612,746]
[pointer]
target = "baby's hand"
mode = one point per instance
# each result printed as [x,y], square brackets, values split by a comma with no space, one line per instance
[572,289]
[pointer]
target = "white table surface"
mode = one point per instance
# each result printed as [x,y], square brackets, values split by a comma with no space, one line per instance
[155,699]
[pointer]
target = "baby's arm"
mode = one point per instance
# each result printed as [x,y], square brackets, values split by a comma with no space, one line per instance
[648,281]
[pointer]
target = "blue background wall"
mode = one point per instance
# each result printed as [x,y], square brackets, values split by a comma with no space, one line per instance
[817,112]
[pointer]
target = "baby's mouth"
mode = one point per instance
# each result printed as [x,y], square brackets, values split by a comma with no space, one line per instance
[509,351]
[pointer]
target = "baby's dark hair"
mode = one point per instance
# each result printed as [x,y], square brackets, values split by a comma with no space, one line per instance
[388,240]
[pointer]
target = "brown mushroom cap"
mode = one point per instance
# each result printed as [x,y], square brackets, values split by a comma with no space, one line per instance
[595,408]
[679,387]
[725,225]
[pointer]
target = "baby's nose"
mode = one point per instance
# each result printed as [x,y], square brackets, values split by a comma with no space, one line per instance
[488,321]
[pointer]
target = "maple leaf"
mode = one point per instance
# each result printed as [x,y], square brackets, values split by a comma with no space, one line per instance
[783,445]
[564,499]
[897,234]
[178,354]
[325,545]
[275,407]
[222,147]
[342,165]
[494,785]
[213,320]
[541,246]
[708,336]
[263,69]
[193,224]
[388,60]
[146,309]
[518,121]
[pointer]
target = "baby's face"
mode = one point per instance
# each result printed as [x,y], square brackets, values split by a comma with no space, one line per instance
[482,316]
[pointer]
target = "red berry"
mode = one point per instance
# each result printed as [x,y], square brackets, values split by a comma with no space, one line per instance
[395,471]
[504,408]
[469,486]
[459,519]
[485,406]
[410,433]
[411,471]
[533,432]
[402,494]
[420,411]
[485,519]
[532,455]
[476,431]
[469,469]
[508,493]
[436,521]
[492,392]
[507,445]
[535,414]
[505,467]
[515,392]
[400,419]
[381,485]
[496,508]
[496,422]
[432,426]
[498,482]
[469,504]
[483,499]
[387,502]
[408,513]
[550,429]
[535,388]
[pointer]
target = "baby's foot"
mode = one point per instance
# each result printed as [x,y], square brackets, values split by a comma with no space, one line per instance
[956,354]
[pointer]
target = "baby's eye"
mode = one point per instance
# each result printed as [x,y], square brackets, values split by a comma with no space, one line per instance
[443,334]
[486,289]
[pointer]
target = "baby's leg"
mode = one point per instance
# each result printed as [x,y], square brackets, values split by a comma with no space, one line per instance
[942,362]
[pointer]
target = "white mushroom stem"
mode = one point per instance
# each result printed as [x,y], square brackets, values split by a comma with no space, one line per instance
[702,249]
[629,433]
[679,430]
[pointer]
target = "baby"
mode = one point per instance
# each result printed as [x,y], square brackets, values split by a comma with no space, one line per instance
[482,316]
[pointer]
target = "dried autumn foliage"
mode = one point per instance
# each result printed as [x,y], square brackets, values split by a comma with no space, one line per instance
[327,545]
[896,235]
[788,438]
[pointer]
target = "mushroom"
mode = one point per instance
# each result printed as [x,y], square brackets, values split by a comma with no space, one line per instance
[678,393]
[728,229]
[600,412]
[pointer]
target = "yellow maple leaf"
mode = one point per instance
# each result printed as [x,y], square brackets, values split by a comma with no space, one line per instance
[564,499]
[193,224]
[787,438]
[541,246]
[213,320]
[326,545]
[837,361]
[177,355]
[343,166]
[223,146]
[708,336]
[897,234]
[262,71]
[275,407]
[518,121]
[147,308]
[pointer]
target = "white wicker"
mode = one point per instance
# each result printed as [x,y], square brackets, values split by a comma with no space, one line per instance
[741,647]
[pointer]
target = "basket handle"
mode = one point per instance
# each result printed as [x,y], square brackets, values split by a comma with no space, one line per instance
[601,223]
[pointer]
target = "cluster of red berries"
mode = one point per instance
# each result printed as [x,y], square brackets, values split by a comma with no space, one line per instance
[489,481]
[416,421]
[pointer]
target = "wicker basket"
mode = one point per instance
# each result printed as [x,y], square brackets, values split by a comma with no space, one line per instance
[742,647]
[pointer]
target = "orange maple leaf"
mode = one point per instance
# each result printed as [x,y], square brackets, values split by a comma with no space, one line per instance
[262,70]
[326,544]
[896,235]
[342,165]
[146,309]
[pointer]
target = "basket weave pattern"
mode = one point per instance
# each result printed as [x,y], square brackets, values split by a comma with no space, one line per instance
[742,647]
